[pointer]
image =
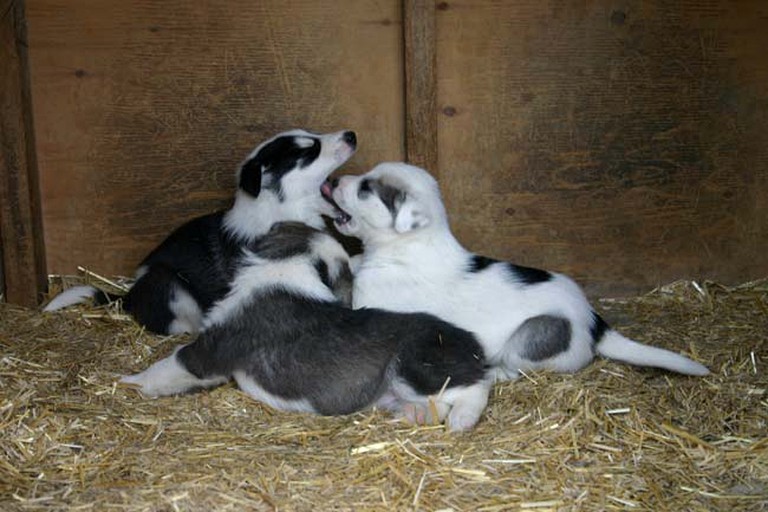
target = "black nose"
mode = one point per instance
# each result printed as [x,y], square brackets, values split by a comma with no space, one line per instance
[335,181]
[350,138]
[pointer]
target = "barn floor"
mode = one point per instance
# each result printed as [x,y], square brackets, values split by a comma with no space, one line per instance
[611,437]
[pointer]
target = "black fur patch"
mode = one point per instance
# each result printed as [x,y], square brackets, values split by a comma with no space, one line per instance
[322,270]
[542,337]
[250,177]
[599,327]
[479,263]
[276,159]
[199,257]
[438,350]
[528,275]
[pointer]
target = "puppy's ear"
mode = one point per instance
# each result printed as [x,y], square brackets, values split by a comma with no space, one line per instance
[410,217]
[250,176]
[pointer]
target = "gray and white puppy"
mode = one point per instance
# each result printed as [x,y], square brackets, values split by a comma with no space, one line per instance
[286,339]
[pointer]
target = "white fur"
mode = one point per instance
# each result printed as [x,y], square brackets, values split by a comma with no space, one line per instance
[261,275]
[417,265]
[70,297]
[188,317]
[329,250]
[250,387]
[168,377]
[462,406]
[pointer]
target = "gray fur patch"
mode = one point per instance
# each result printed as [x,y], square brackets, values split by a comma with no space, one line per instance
[342,285]
[392,197]
[285,240]
[542,337]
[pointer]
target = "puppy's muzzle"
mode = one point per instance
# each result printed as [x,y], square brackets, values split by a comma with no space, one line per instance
[326,190]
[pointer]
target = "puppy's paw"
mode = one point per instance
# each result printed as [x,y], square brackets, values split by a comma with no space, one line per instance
[431,413]
[462,419]
[501,374]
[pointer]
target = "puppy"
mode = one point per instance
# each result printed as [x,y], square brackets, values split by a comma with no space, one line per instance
[282,334]
[178,282]
[525,318]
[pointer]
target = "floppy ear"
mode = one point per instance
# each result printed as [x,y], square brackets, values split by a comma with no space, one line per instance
[250,176]
[410,217]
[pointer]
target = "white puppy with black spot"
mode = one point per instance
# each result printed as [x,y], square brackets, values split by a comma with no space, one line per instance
[525,318]
[180,280]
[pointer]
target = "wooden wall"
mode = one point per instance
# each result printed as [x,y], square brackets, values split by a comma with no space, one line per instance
[624,142]
[144,108]
[22,269]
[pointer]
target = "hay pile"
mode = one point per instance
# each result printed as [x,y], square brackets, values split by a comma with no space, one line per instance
[609,438]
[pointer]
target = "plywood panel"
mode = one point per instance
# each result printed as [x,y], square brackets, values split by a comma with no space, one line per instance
[143,109]
[625,143]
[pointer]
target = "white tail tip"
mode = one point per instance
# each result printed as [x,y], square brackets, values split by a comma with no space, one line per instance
[618,347]
[70,297]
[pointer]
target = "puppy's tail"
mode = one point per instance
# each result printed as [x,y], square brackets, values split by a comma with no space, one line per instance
[79,295]
[613,345]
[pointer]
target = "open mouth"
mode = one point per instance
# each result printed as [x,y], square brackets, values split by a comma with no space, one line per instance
[340,216]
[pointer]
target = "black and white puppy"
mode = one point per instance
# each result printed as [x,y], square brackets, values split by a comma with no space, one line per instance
[178,283]
[525,318]
[285,338]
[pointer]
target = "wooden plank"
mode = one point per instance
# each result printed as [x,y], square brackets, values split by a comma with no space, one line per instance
[420,83]
[623,143]
[144,108]
[21,233]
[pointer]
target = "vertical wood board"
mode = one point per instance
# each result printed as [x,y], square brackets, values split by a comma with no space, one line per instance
[420,83]
[22,271]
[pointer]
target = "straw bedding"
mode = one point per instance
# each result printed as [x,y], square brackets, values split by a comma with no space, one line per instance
[611,437]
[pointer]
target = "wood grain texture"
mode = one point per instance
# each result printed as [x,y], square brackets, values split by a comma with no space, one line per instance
[420,83]
[144,109]
[22,273]
[622,142]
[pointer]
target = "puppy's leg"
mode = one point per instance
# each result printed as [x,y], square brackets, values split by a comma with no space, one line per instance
[170,376]
[160,301]
[468,404]
[503,374]
[461,406]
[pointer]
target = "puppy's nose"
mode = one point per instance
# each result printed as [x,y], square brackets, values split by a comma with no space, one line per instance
[350,138]
[335,181]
